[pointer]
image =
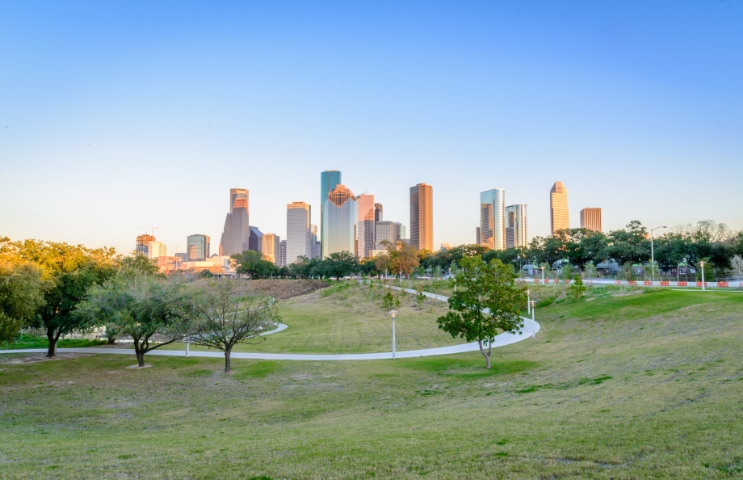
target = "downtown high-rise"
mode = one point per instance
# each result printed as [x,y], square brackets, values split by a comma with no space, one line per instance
[365,231]
[298,240]
[197,247]
[329,179]
[339,222]
[516,233]
[559,214]
[236,232]
[493,219]
[590,218]
[421,216]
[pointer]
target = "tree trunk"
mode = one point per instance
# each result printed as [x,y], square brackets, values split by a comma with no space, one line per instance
[111,340]
[227,360]
[140,357]
[52,349]
[485,354]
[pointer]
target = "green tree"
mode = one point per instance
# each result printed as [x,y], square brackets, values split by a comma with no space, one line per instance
[224,314]
[254,264]
[21,296]
[69,271]
[486,303]
[577,289]
[403,261]
[142,307]
[136,263]
[339,264]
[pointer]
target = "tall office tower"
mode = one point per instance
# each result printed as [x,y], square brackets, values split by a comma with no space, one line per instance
[387,234]
[329,179]
[402,232]
[236,233]
[493,218]
[590,218]
[197,247]
[256,240]
[421,216]
[365,235]
[297,231]
[516,226]
[477,236]
[157,249]
[559,215]
[282,253]
[143,244]
[315,248]
[339,222]
[271,248]
[236,193]
[378,212]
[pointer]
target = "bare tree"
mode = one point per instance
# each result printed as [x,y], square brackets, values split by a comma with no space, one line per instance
[737,264]
[225,313]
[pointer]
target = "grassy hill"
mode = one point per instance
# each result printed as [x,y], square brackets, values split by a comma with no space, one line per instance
[638,386]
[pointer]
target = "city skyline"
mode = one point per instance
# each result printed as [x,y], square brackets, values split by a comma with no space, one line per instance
[108,110]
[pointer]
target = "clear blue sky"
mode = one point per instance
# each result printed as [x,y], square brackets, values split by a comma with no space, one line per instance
[117,115]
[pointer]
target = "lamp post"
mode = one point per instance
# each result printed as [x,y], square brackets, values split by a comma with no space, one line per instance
[188,339]
[652,253]
[528,301]
[393,314]
[701,264]
[533,332]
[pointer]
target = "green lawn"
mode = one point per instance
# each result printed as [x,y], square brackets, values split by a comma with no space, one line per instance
[349,318]
[641,386]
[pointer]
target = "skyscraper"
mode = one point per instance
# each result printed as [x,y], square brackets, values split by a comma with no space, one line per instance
[256,240]
[143,244]
[157,249]
[197,247]
[559,215]
[236,233]
[493,219]
[365,208]
[516,234]
[297,231]
[378,212]
[590,218]
[329,179]
[421,216]
[340,217]
[271,247]
[386,232]
[282,253]
[315,250]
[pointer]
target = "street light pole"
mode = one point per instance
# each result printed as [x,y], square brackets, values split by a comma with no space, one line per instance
[533,333]
[652,253]
[528,301]
[702,265]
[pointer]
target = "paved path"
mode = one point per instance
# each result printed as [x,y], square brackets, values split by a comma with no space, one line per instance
[530,328]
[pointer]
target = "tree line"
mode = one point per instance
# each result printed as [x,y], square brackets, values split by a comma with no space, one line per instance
[63,288]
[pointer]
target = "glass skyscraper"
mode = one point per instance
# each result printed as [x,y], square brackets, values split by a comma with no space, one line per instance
[339,222]
[516,226]
[559,214]
[329,179]
[197,247]
[493,219]
[421,216]
[297,231]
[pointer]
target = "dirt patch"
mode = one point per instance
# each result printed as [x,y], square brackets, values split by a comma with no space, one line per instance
[38,357]
[283,289]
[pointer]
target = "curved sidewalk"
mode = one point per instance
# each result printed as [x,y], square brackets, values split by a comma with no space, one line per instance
[530,328]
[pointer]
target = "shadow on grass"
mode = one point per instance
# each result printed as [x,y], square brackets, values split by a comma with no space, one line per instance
[258,369]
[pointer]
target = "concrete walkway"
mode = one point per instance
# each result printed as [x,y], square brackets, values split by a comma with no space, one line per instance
[530,328]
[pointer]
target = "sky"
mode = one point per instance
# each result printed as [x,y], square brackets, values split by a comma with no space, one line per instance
[120,116]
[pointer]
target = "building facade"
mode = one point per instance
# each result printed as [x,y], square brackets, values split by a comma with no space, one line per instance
[297,231]
[559,214]
[157,249]
[329,179]
[378,212]
[236,232]
[590,218]
[387,234]
[256,240]
[197,247]
[282,253]
[493,219]
[340,215]
[271,245]
[516,234]
[366,211]
[143,244]
[421,216]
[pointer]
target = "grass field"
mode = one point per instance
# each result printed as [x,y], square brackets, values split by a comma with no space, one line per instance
[640,386]
[349,318]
